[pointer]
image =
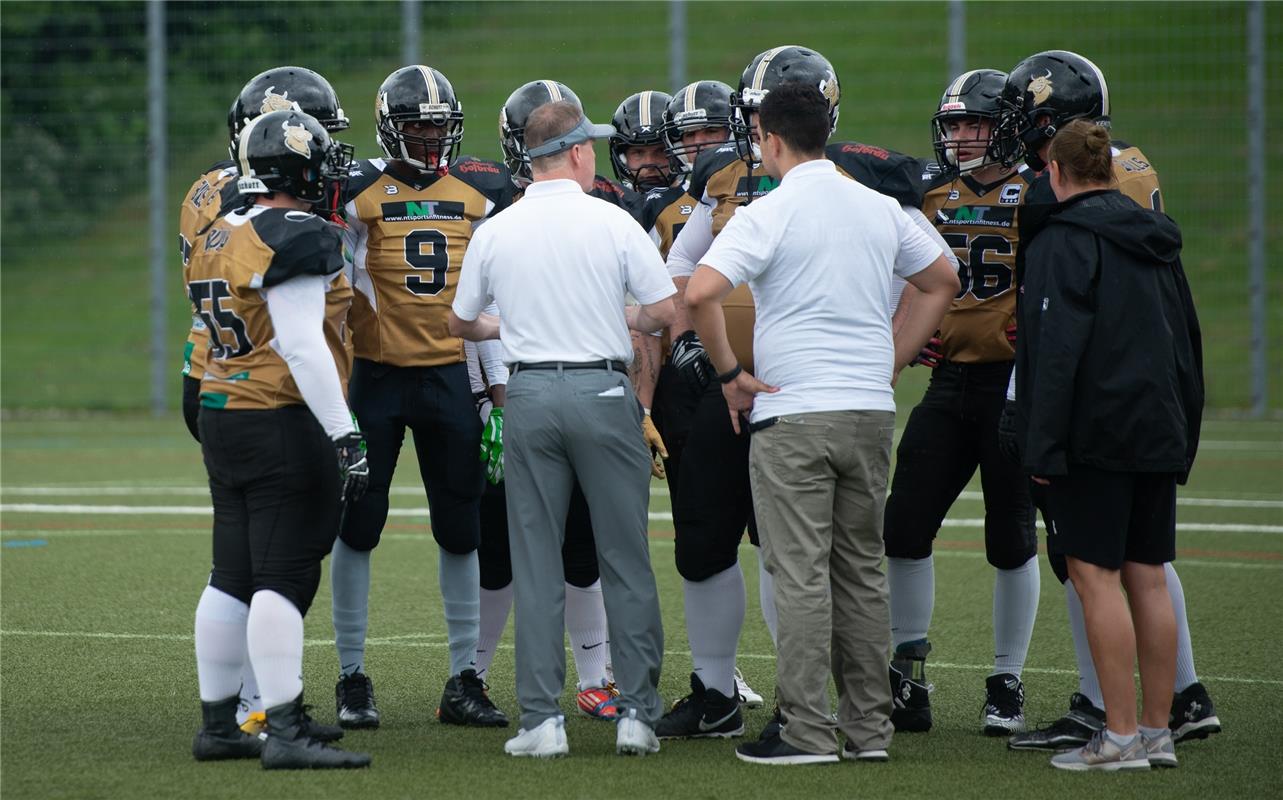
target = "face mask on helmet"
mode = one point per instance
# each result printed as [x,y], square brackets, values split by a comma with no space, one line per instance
[419,119]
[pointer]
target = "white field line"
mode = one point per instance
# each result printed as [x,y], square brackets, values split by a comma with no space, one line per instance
[435,641]
[40,533]
[415,513]
[408,491]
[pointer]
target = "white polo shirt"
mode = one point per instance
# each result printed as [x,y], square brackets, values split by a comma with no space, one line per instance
[559,265]
[819,253]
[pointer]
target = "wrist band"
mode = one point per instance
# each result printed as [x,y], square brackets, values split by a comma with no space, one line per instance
[646,411]
[730,375]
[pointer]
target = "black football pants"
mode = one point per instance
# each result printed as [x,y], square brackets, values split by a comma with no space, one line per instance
[274,481]
[950,433]
[707,475]
[436,404]
[578,551]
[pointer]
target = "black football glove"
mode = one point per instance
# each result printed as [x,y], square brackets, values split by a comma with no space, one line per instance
[1007,442]
[354,470]
[691,361]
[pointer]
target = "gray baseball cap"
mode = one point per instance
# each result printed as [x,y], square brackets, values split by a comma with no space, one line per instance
[582,132]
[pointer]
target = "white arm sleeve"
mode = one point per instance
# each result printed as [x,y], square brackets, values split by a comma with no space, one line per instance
[692,243]
[920,220]
[1011,384]
[297,309]
[490,354]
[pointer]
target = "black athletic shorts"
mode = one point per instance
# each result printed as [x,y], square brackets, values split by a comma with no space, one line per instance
[1106,518]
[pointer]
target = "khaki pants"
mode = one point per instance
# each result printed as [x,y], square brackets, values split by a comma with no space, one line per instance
[819,489]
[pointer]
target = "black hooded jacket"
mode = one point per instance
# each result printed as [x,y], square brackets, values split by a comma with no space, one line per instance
[1109,363]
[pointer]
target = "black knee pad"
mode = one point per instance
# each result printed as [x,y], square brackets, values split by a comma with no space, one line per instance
[363,521]
[238,585]
[457,530]
[299,588]
[1011,544]
[704,550]
[579,549]
[906,531]
[493,554]
[191,405]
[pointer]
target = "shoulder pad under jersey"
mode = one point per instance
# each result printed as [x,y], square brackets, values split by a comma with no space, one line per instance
[301,243]
[490,178]
[708,164]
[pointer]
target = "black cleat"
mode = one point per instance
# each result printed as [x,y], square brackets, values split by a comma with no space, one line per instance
[354,702]
[319,730]
[465,702]
[910,692]
[1074,729]
[289,746]
[702,714]
[1004,711]
[1193,715]
[220,738]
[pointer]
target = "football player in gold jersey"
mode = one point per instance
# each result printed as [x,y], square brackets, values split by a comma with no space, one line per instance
[954,429]
[411,216]
[276,89]
[277,436]
[273,90]
[712,504]
[1042,93]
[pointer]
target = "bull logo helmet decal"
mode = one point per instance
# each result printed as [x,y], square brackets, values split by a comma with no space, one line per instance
[275,102]
[1040,88]
[829,88]
[297,138]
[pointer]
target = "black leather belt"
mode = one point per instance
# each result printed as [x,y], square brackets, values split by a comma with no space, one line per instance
[604,364]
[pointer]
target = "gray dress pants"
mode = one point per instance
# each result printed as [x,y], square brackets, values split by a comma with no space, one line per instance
[559,425]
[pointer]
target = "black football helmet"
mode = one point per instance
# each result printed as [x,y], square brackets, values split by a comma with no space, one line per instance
[512,123]
[779,65]
[1058,85]
[280,89]
[418,94]
[638,122]
[973,94]
[291,152]
[698,105]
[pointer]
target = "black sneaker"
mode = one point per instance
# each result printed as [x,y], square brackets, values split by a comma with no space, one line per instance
[354,701]
[774,726]
[1074,729]
[777,751]
[1004,711]
[219,737]
[465,702]
[910,692]
[702,714]
[1193,715]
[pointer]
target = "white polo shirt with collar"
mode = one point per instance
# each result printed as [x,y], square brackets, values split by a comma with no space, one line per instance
[819,253]
[559,265]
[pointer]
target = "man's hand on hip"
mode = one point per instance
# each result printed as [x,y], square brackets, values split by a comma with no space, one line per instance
[740,392]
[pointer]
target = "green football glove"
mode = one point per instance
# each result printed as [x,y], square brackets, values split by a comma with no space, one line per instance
[492,446]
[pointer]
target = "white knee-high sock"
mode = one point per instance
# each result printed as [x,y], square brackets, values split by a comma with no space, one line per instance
[1185,674]
[912,585]
[350,585]
[1088,683]
[1015,607]
[766,598]
[460,577]
[495,605]
[589,636]
[275,635]
[220,644]
[714,618]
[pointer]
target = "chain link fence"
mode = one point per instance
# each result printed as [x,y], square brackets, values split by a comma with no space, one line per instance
[75,159]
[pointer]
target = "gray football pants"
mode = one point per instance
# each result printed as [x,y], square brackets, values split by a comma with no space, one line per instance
[559,425]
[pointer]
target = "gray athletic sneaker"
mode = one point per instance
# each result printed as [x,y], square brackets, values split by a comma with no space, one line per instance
[1100,753]
[1161,749]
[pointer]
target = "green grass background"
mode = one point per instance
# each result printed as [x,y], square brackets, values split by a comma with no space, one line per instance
[74,310]
[86,717]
